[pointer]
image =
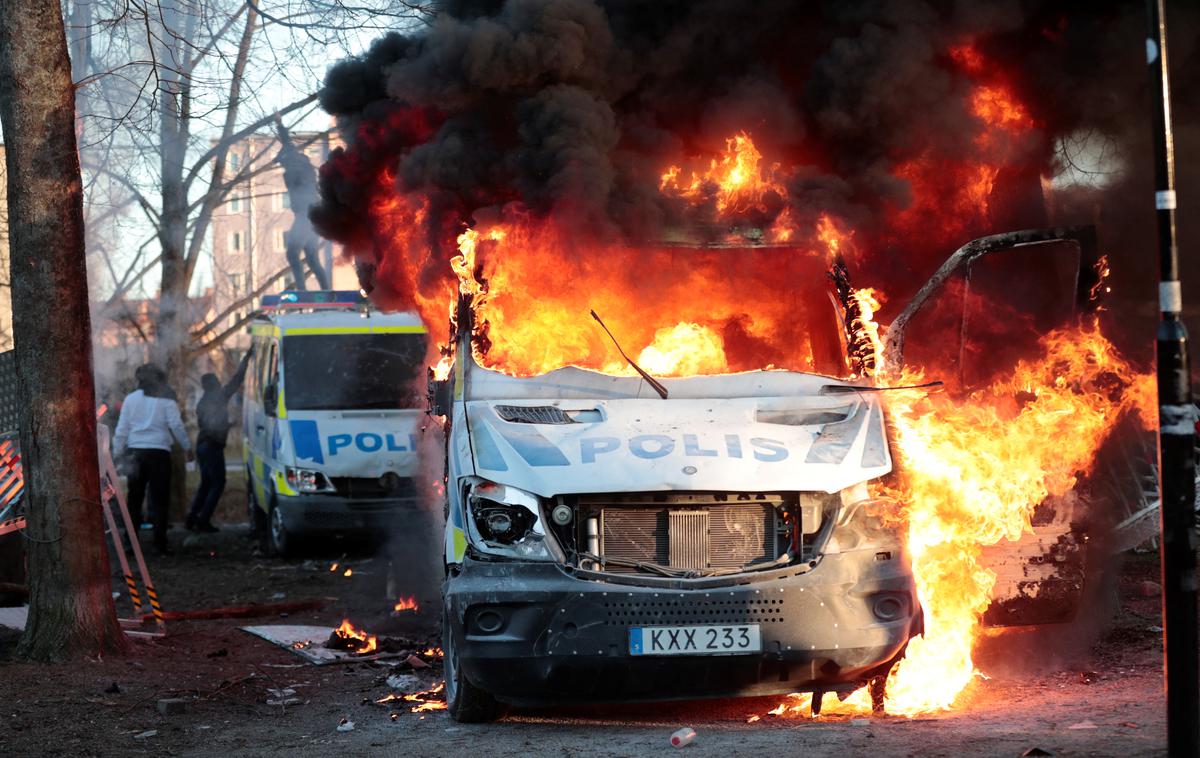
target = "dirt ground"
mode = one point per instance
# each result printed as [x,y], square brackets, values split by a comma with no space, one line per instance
[1105,699]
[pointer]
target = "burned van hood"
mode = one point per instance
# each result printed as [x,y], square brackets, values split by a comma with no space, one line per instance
[757,432]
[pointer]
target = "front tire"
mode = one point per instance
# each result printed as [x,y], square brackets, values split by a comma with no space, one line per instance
[282,543]
[466,703]
[259,522]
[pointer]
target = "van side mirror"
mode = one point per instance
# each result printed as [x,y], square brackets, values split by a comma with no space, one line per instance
[440,397]
[271,399]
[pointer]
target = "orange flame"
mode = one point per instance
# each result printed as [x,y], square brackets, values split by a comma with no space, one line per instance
[974,471]
[835,239]
[406,604]
[869,301]
[736,179]
[685,349]
[367,643]
[996,106]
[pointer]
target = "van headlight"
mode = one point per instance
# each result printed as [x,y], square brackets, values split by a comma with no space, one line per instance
[308,481]
[507,522]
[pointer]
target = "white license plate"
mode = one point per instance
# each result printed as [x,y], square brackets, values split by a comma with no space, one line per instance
[694,640]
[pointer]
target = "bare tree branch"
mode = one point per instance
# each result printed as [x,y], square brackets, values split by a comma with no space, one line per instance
[240,322]
[242,133]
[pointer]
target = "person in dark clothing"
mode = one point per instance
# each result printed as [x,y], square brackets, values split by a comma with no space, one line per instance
[300,178]
[212,417]
[149,422]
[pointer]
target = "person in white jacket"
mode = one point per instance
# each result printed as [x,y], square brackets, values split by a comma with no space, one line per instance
[148,423]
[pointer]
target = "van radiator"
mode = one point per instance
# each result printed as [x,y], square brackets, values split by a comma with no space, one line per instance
[689,530]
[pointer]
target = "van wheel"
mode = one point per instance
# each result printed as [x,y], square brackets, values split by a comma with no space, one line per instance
[466,703]
[259,523]
[282,543]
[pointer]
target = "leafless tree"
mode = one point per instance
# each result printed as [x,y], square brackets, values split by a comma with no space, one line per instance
[167,87]
[71,612]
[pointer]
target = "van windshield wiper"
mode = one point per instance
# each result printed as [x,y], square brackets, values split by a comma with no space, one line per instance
[657,385]
[832,389]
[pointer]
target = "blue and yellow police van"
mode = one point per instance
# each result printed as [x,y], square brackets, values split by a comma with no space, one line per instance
[334,398]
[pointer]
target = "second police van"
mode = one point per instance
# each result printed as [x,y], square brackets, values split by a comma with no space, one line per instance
[331,417]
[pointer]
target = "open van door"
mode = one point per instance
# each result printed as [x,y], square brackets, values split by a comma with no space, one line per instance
[1027,282]
[977,315]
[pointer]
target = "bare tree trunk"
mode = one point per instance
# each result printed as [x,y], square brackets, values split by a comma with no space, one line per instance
[70,606]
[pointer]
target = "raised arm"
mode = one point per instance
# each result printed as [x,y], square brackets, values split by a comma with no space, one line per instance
[235,383]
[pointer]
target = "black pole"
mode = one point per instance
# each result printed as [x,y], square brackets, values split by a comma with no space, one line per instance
[1176,451]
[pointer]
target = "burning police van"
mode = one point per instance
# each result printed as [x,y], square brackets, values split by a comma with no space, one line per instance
[330,417]
[630,538]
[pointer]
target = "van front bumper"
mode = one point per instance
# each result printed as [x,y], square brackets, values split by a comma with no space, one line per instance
[535,633]
[333,514]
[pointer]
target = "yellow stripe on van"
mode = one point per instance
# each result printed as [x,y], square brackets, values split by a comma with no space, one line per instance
[459,540]
[310,330]
[282,486]
[264,330]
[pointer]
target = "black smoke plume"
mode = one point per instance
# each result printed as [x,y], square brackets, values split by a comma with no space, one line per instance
[569,109]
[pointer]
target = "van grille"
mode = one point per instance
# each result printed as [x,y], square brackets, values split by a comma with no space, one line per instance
[378,488]
[690,530]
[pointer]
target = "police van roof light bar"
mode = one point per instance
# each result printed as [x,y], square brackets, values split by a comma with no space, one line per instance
[313,299]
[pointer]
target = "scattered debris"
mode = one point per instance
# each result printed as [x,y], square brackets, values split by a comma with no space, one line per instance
[395,715]
[860,722]
[1149,589]
[1155,629]
[430,700]
[683,737]
[284,696]
[404,682]
[1082,725]
[172,706]
[113,689]
[416,662]
[145,734]
[311,644]
[753,718]
[345,725]
[1088,677]
[1035,751]
[279,596]
[218,653]
[1130,725]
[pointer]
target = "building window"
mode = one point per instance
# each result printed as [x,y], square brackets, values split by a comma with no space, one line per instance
[235,160]
[235,204]
[235,281]
[235,242]
[281,240]
[285,200]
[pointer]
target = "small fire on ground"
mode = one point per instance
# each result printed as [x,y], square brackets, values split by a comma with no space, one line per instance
[349,637]
[433,699]
[406,604]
